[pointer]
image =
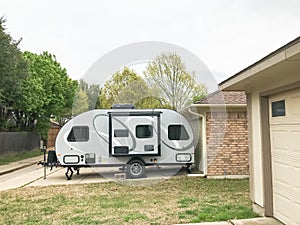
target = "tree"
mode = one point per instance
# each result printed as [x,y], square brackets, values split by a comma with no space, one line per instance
[128,87]
[152,102]
[133,92]
[13,70]
[69,92]
[81,103]
[168,75]
[92,91]
[46,92]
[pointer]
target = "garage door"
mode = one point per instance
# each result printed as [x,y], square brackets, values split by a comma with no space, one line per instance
[285,148]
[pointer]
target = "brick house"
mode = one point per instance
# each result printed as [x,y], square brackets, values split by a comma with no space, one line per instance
[222,148]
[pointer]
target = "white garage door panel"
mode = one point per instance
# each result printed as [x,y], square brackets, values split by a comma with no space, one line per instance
[286,179]
[285,153]
[276,138]
[281,212]
[289,217]
[281,172]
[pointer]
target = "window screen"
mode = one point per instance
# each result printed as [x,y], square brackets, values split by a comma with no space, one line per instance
[177,132]
[78,134]
[278,108]
[144,131]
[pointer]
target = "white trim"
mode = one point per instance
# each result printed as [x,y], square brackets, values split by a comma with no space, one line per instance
[229,177]
[204,155]
[196,175]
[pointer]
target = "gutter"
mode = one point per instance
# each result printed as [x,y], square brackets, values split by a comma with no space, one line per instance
[219,105]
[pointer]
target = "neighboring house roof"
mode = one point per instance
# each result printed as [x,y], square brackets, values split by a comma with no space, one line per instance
[224,97]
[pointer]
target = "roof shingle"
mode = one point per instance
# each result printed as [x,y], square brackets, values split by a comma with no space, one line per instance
[224,97]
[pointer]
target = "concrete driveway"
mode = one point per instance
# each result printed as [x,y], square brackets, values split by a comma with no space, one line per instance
[28,173]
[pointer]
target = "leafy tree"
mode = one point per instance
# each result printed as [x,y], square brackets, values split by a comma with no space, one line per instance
[152,102]
[134,91]
[128,87]
[66,112]
[33,88]
[13,70]
[168,75]
[92,91]
[81,103]
[46,92]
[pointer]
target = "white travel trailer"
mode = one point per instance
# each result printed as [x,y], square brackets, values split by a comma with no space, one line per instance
[131,138]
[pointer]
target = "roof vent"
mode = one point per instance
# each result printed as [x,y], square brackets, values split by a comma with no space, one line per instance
[122,106]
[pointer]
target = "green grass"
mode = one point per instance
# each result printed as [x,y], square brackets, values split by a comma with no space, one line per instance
[14,158]
[176,200]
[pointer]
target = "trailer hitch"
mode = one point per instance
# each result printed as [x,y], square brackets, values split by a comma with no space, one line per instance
[49,161]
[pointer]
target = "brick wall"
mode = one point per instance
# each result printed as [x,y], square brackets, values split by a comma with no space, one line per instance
[227,143]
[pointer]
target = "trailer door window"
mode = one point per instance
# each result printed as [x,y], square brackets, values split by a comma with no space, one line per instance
[144,131]
[78,134]
[121,133]
[177,132]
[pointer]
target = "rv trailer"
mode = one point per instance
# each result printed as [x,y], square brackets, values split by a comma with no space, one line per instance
[126,137]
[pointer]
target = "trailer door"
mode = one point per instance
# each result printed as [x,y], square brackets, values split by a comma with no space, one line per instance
[134,133]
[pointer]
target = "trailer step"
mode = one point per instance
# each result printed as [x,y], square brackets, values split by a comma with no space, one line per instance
[120,176]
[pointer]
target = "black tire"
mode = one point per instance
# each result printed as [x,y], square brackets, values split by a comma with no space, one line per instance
[135,169]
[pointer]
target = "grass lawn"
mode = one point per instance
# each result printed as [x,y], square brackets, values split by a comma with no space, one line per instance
[176,200]
[14,158]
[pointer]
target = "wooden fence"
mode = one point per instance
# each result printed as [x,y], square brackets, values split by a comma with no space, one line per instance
[52,134]
[17,142]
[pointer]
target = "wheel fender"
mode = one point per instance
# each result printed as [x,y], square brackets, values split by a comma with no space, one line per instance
[136,158]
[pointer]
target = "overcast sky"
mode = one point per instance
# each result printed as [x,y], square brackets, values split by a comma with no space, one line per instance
[227,35]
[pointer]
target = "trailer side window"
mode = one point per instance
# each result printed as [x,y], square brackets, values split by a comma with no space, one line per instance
[177,132]
[78,134]
[121,133]
[144,131]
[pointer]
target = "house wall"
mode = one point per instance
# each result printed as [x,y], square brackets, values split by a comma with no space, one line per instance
[227,143]
[197,124]
[199,157]
[257,191]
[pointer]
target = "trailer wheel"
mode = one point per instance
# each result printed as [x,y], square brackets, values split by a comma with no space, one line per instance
[136,169]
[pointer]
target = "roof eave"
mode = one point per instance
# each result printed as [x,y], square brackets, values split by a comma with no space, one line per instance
[273,58]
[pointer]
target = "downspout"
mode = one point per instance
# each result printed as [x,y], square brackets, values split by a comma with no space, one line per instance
[203,127]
